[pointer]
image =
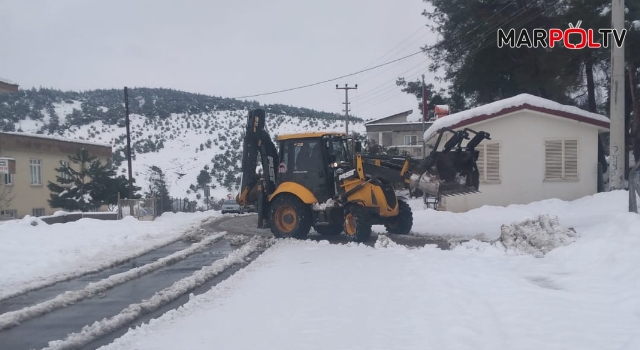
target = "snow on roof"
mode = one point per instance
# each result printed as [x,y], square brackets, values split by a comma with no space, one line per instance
[396,123]
[522,101]
[406,113]
[6,81]
[57,138]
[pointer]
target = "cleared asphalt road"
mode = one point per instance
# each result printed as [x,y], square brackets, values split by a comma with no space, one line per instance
[55,325]
[247,224]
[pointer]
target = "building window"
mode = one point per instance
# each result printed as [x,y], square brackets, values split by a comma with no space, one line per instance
[35,166]
[8,179]
[38,212]
[489,162]
[410,140]
[561,160]
[8,214]
[64,175]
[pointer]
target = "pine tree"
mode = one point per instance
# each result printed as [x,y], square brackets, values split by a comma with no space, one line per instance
[158,187]
[481,72]
[85,186]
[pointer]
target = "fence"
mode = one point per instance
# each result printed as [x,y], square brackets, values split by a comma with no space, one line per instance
[141,209]
[634,188]
[174,205]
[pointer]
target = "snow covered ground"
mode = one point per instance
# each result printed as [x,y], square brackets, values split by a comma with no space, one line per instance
[315,295]
[485,222]
[35,255]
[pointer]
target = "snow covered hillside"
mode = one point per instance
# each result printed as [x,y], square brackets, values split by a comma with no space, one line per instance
[181,145]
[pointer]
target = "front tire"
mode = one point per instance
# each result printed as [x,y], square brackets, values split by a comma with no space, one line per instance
[289,217]
[403,222]
[357,223]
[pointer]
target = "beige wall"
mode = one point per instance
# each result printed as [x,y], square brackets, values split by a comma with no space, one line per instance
[396,139]
[27,197]
[521,136]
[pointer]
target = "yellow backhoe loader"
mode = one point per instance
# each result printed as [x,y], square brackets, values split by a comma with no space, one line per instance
[315,180]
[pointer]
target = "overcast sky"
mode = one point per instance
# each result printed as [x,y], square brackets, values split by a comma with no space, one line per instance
[226,48]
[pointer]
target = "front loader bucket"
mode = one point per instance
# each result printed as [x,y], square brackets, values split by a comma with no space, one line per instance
[448,174]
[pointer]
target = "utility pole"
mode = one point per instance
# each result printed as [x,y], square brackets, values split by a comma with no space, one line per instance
[346,89]
[617,144]
[126,110]
[425,114]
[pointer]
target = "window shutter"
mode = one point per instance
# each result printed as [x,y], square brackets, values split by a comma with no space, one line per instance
[553,160]
[489,162]
[561,160]
[481,162]
[492,172]
[571,159]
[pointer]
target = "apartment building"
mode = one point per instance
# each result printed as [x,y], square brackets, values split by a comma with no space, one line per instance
[31,161]
[397,131]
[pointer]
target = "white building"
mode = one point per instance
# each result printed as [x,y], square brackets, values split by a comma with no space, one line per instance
[539,149]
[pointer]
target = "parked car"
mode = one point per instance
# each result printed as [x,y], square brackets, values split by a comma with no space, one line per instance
[250,208]
[230,206]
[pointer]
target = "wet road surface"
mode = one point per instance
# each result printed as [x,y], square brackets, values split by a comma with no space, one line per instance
[57,324]
[248,224]
[49,292]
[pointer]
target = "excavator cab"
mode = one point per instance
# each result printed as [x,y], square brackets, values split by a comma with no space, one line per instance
[310,160]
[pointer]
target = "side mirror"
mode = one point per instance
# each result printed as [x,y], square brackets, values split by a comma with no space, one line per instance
[358,146]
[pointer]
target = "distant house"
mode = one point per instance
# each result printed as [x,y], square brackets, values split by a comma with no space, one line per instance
[7,86]
[396,131]
[33,159]
[539,149]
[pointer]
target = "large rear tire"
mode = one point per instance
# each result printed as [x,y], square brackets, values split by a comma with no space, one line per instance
[329,230]
[357,223]
[403,222]
[289,217]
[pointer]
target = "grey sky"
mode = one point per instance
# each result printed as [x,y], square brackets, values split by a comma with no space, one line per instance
[225,48]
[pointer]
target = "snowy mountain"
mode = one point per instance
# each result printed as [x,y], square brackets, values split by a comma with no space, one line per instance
[182,144]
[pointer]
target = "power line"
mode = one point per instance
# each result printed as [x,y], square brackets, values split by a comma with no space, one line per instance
[402,42]
[380,98]
[333,79]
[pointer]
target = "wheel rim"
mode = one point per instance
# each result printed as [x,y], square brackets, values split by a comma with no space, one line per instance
[286,219]
[350,224]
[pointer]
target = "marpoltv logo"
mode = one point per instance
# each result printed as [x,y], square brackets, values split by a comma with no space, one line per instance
[574,38]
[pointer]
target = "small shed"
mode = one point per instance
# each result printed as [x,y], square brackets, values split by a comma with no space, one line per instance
[539,149]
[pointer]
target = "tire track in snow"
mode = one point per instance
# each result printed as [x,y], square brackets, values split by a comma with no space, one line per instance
[14,318]
[67,276]
[101,328]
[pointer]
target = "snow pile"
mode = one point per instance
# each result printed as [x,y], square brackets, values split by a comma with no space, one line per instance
[537,236]
[323,206]
[33,256]
[165,296]
[485,223]
[11,319]
[495,107]
[26,221]
[384,241]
